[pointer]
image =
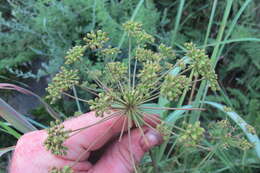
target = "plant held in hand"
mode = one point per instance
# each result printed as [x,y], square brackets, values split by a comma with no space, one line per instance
[125,86]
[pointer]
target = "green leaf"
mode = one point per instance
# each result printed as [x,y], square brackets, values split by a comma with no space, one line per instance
[9,130]
[15,118]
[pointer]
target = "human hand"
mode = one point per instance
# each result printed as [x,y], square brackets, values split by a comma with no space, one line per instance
[30,155]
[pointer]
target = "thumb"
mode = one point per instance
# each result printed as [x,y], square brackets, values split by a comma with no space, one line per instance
[121,156]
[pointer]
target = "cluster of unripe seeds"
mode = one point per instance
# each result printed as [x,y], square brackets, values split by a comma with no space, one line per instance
[56,137]
[63,81]
[192,134]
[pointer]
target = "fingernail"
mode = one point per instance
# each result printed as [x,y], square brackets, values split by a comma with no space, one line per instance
[151,139]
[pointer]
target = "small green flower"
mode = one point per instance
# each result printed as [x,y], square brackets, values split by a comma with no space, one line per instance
[173,86]
[167,52]
[101,104]
[227,109]
[117,70]
[144,55]
[148,76]
[110,52]
[250,129]
[132,27]
[96,40]
[244,144]
[135,30]
[181,64]
[56,137]
[74,54]
[201,64]
[65,169]
[164,130]
[192,135]
[63,81]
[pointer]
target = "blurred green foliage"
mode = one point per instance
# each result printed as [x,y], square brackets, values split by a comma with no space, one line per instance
[43,31]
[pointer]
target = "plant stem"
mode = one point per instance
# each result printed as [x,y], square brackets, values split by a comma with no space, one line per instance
[129,60]
[76,98]
[193,90]
[134,74]
[166,108]
[156,169]
[79,99]
[177,21]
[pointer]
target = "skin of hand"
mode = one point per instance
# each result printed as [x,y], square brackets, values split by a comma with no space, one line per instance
[30,155]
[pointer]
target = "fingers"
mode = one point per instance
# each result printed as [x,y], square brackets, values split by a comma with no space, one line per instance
[94,137]
[99,132]
[30,151]
[122,156]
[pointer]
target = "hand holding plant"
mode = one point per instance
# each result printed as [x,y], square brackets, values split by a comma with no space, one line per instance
[126,85]
[126,90]
[31,156]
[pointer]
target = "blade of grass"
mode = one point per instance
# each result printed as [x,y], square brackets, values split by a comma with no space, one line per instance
[36,123]
[15,118]
[210,21]
[234,41]
[233,24]
[9,130]
[5,150]
[177,21]
[221,31]
[7,86]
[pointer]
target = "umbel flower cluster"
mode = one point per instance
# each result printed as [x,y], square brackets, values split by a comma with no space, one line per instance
[56,136]
[223,133]
[128,81]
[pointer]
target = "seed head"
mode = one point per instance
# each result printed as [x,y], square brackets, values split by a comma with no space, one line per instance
[173,86]
[135,30]
[56,137]
[201,64]
[110,52]
[118,71]
[167,52]
[144,55]
[101,104]
[96,40]
[244,144]
[63,81]
[74,54]
[192,135]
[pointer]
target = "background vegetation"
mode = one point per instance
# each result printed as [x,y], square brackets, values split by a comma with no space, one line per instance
[41,31]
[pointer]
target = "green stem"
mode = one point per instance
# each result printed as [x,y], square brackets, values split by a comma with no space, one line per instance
[129,61]
[210,22]
[177,21]
[76,98]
